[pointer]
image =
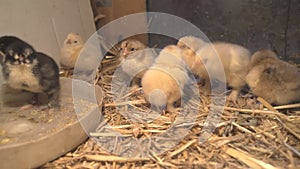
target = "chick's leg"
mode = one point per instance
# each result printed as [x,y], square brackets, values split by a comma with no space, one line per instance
[206,87]
[237,84]
[234,95]
[54,99]
[135,83]
[34,103]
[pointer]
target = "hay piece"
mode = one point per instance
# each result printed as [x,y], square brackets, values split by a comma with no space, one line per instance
[183,147]
[250,161]
[111,158]
[292,148]
[290,106]
[289,129]
[134,102]
[266,104]
[241,128]
[249,110]
[221,141]
[161,162]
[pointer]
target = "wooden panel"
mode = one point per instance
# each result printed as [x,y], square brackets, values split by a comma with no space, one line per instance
[114,9]
[272,24]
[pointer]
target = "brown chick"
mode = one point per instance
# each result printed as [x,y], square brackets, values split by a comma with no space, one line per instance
[276,81]
[191,42]
[163,83]
[136,59]
[71,50]
[234,58]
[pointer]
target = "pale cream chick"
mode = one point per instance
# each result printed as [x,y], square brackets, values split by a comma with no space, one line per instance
[136,59]
[274,80]
[209,60]
[163,83]
[71,50]
[191,42]
[130,46]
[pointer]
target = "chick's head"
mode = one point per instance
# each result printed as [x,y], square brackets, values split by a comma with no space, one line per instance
[73,40]
[19,54]
[130,46]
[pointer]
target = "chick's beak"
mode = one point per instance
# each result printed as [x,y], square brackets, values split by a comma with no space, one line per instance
[21,58]
[68,41]
[125,52]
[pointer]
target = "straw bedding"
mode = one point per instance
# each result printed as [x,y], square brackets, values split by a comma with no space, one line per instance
[250,134]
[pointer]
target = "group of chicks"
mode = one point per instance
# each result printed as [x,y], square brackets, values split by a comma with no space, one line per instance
[163,77]
[163,81]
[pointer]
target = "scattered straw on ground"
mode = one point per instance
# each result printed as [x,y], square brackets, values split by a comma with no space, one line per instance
[250,134]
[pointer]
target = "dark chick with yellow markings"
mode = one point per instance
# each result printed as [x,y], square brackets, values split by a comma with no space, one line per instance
[25,69]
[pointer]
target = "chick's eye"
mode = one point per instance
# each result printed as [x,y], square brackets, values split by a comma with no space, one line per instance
[27,61]
[75,41]
[27,54]
[132,49]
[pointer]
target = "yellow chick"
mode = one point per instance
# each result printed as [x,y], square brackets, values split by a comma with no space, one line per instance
[234,58]
[71,50]
[164,81]
[191,42]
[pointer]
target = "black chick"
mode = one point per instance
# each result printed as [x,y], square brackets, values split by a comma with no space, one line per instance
[26,69]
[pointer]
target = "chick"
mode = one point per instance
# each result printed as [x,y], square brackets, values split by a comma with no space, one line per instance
[277,81]
[163,83]
[25,69]
[130,46]
[234,58]
[191,42]
[71,50]
[136,59]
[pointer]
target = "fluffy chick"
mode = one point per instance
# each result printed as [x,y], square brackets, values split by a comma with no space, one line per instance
[277,81]
[25,69]
[234,58]
[71,50]
[163,83]
[136,59]
[130,46]
[191,42]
